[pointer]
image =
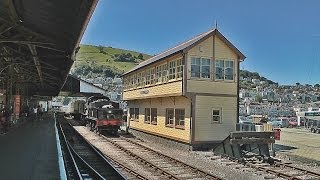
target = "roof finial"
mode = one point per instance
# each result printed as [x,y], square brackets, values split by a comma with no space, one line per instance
[216,24]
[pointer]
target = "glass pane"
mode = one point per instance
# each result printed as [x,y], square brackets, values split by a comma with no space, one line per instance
[197,61]
[195,71]
[205,62]
[216,118]
[205,71]
[193,60]
[229,74]
[215,112]
[219,72]
[219,63]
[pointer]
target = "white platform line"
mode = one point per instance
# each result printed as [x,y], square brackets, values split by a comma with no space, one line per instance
[62,169]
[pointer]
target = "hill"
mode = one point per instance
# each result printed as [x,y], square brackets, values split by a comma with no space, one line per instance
[247,76]
[93,60]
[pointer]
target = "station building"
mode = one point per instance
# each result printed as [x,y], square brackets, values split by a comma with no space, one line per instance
[187,94]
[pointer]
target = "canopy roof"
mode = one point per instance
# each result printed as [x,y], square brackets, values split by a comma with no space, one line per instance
[38,42]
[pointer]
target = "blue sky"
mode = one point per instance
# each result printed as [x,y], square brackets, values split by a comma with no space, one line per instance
[281,39]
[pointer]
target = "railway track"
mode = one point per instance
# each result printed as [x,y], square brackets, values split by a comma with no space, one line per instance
[82,160]
[289,172]
[282,170]
[165,166]
[278,169]
[126,171]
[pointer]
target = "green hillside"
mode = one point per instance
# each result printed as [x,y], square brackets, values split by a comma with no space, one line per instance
[91,60]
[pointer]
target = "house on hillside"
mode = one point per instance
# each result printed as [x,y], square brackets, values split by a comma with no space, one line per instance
[186,95]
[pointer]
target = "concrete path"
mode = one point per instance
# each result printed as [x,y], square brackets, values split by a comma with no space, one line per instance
[29,152]
[300,143]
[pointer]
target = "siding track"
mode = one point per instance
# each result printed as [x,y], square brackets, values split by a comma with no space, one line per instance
[165,166]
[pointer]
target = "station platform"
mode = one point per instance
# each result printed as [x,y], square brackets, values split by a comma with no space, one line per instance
[29,151]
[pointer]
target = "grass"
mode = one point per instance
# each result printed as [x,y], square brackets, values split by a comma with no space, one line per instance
[90,55]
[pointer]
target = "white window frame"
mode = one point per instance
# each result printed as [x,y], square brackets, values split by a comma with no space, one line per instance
[167,121]
[215,70]
[147,118]
[220,115]
[179,71]
[159,74]
[177,117]
[224,68]
[172,65]
[164,72]
[200,67]
[154,117]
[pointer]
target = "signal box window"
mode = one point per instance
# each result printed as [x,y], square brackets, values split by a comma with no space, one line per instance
[219,69]
[200,67]
[179,115]
[229,70]
[147,117]
[172,70]
[154,116]
[216,115]
[134,114]
[169,117]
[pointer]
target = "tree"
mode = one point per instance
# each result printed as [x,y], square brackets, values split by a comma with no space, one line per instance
[258,98]
[317,85]
[100,49]
[255,75]
[140,56]
[298,84]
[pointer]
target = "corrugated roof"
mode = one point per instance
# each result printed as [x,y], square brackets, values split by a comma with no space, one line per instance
[42,37]
[183,46]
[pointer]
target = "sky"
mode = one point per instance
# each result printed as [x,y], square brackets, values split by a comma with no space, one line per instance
[281,39]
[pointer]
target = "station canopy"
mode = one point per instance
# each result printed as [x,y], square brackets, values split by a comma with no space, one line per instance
[38,42]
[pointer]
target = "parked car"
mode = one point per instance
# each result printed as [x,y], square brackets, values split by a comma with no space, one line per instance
[245,120]
[279,122]
[293,123]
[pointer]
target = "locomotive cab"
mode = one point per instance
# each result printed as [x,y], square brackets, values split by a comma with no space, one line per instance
[109,120]
[104,116]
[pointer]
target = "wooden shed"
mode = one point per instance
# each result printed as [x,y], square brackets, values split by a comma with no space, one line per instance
[187,94]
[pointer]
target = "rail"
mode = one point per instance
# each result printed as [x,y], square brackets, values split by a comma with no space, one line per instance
[89,161]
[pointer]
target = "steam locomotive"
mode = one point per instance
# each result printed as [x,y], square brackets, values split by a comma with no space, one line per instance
[103,115]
